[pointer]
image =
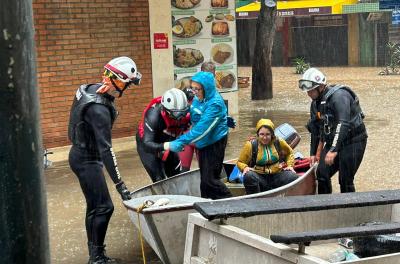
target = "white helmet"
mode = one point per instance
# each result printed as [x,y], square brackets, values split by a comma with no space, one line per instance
[175,103]
[124,69]
[311,79]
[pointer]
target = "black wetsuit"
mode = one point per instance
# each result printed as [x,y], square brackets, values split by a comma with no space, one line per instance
[150,144]
[337,120]
[91,120]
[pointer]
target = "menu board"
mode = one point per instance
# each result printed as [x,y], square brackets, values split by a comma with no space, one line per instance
[204,30]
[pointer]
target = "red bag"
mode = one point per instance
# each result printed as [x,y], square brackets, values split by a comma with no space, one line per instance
[302,165]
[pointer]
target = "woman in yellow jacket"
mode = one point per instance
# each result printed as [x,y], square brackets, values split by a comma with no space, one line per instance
[274,163]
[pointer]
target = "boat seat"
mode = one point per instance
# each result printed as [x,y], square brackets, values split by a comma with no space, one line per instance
[259,206]
[304,238]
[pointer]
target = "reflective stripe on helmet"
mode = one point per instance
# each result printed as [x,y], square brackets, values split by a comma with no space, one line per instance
[124,69]
[117,72]
[174,99]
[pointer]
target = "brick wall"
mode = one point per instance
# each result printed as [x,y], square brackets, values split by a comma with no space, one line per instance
[74,39]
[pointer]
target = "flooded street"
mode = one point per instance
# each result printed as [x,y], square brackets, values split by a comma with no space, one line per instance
[379,97]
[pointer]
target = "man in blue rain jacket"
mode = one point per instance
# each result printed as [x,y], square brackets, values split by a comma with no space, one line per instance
[209,133]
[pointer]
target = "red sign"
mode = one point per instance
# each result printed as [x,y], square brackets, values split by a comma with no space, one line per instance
[160,41]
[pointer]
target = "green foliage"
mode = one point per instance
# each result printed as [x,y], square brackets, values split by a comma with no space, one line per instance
[394,60]
[300,65]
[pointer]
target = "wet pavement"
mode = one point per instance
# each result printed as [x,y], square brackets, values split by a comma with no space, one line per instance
[379,97]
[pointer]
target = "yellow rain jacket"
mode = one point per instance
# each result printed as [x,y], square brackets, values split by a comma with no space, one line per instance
[267,161]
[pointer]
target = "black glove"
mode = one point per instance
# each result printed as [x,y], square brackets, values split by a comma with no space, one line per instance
[231,122]
[123,191]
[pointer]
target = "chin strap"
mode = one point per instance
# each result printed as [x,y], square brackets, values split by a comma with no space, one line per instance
[120,91]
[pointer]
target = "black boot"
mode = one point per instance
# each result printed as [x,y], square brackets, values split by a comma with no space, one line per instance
[98,256]
[90,244]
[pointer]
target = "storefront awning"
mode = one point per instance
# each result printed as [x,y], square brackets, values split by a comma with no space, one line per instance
[296,8]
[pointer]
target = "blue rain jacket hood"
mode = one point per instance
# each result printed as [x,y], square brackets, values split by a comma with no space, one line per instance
[207,80]
[209,122]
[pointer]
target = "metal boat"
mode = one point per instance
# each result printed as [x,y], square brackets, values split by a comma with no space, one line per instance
[234,239]
[164,226]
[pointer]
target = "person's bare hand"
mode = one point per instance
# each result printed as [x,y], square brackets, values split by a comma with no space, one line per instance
[245,170]
[313,160]
[330,157]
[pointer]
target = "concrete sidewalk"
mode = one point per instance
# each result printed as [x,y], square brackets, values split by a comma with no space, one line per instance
[119,144]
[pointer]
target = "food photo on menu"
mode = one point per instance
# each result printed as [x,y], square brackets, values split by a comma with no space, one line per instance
[220,28]
[219,3]
[204,30]
[222,53]
[225,79]
[186,27]
[187,57]
[184,4]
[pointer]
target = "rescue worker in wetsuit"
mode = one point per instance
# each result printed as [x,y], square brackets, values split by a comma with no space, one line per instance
[92,116]
[209,133]
[338,133]
[164,119]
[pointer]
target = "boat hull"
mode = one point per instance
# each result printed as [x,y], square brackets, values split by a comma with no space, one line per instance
[212,242]
[160,225]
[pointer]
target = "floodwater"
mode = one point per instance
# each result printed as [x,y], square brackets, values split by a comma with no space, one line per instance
[379,97]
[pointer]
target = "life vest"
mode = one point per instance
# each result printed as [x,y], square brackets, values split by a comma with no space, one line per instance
[154,101]
[173,127]
[77,128]
[327,115]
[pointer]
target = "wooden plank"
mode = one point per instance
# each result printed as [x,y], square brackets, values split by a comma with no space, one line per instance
[356,231]
[191,241]
[249,207]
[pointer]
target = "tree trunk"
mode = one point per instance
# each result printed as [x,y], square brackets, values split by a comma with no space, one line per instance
[23,214]
[262,74]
